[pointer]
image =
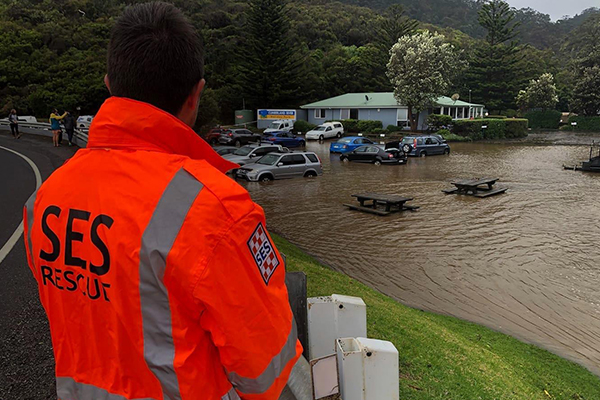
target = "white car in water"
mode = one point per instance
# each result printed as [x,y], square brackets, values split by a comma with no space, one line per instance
[84,121]
[325,131]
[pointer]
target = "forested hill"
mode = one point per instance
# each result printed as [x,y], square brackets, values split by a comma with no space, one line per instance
[536,28]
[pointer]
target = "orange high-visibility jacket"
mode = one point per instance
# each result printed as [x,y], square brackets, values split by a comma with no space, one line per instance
[155,269]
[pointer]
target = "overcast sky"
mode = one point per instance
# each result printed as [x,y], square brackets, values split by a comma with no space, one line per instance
[556,8]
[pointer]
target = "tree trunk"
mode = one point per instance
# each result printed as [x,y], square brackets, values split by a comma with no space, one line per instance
[413,119]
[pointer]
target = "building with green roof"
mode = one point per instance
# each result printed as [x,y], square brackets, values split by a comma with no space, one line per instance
[384,107]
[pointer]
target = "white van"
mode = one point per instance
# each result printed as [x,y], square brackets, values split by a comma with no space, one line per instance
[327,130]
[84,121]
[278,126]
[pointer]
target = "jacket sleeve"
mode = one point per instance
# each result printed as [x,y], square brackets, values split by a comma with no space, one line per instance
[246,309]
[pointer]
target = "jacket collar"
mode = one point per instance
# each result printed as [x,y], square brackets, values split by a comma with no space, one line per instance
[123,123]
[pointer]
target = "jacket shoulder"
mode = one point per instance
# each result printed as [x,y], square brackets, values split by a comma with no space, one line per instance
[232,197]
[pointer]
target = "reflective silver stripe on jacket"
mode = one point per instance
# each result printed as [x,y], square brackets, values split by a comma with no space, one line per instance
[263,382]
[69,389]
[29,207]
[231,395]
[157,240]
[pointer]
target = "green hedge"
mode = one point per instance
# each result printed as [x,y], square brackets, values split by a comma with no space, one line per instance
[379,131]
[303,126]
[590,124]
[549,119]
[495,128]
[350,125]
[368,126]
[395,128]
[435,122]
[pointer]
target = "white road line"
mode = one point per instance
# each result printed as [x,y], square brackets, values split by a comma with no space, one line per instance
[10,243]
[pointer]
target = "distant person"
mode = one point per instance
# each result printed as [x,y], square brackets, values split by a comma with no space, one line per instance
[14,123]
[69,123]
[55,126]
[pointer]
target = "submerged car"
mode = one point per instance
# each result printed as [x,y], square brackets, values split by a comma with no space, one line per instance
[249,153]
[375,155]
[348,144]
[327,130]
[238,137]
[426,145]
[281,166]
[287,139]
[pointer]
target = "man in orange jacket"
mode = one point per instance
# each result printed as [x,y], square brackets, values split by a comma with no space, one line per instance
[156,271]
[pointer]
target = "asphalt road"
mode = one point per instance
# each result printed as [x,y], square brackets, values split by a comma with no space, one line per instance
[26,361]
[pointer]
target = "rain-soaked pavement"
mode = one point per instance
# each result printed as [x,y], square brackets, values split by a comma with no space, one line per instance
[524,263]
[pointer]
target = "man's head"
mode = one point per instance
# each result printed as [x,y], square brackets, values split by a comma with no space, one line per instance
[156,56]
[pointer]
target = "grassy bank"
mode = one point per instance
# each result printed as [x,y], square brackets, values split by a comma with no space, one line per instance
[447,358]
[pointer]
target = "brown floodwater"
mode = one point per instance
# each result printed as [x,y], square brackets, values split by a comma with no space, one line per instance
[525,262]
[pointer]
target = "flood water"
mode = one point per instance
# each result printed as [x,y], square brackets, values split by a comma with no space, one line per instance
[525,262]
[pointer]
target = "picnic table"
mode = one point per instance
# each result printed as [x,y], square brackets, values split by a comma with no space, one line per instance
[479,187]
[369,202]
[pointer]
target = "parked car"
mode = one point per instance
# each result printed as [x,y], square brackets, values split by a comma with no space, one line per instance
[425,145]
[287,139]
[375,155]
[282,165]
[327,130]
[84,121]
[281,125]
[348,144]
[24,118]
[238,137]
[252,152]
[212,136]
[222,150]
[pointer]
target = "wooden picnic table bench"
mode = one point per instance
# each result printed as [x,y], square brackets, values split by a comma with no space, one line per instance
[480,187]
[391,203]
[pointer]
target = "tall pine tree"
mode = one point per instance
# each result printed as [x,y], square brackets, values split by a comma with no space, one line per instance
[494,77]
[271,70]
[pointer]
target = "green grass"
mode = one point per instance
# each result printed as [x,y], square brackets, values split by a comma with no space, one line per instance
[446,358]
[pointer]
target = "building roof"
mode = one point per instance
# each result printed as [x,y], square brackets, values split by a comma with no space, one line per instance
[376,100]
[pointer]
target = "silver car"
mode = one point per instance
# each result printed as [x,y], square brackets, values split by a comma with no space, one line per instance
[281,166]
[252,152]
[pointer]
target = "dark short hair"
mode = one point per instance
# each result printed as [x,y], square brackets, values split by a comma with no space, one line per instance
[154,55]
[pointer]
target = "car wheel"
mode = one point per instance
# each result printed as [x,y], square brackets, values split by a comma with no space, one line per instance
[266,178]
[213,141]
[310,174]
[339,135]
[303,144]
[422,154]
[406,148]
[237,143]
[447,151]
[82,126]
[321,138]
[377,162]
[345,159]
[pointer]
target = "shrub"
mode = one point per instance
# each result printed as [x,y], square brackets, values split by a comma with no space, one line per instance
[395,128]
[451,137]
[350,125]
[435,122]
[549,119]
[511,113]
[495,128]
[585,123]
[379,131]
[368,126]
[303,126]
[496,117]
[516,128]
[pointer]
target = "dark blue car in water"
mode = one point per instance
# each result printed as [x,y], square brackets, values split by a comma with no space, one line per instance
[286,139]
[348,144]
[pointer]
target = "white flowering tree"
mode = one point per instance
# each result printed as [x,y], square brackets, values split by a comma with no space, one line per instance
[421,69]
[540,93]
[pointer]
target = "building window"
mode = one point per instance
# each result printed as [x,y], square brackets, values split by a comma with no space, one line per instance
[319,113]
[344,114]
[437,110]
[354,113]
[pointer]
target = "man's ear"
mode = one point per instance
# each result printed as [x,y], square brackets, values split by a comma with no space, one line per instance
[107,82]
[194,97]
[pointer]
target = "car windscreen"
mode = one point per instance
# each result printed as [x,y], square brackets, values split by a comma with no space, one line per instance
[347,140]
[320,128]
[243,151]
[407,140]
[269,159]
[274,125]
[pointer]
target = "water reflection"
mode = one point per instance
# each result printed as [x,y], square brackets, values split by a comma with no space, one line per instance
[525,262]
